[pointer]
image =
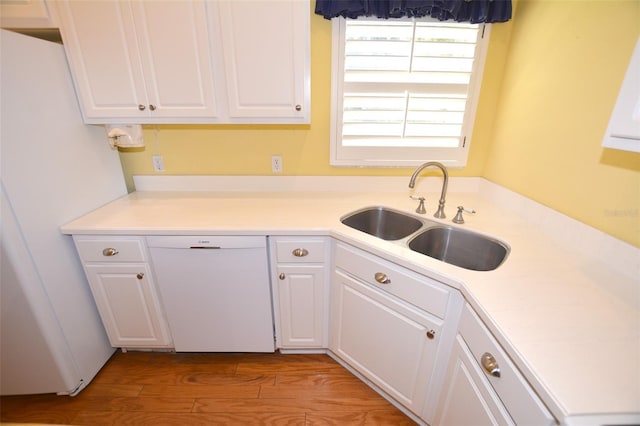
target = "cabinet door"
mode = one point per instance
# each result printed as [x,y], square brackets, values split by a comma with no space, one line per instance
[390,343]
[176,58]
[139,62]
[128,305]
[301,302]
[467,399]
[26,14]
[266,47]
[100,42]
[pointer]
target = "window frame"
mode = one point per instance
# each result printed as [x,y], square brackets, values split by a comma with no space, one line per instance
[364,156]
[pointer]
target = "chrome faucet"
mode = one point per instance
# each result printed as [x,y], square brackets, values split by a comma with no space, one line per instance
[440,213]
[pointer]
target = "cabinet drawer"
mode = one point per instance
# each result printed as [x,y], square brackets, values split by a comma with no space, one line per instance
[110,249]
[516,394]
[418,290]
[302,250]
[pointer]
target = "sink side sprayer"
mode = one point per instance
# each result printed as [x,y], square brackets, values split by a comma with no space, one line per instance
[440,212]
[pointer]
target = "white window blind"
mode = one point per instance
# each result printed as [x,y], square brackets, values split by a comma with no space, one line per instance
[403,91]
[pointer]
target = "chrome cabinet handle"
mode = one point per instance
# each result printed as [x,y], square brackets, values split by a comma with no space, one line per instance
[382,278]
[140,275]
[490,364]
[109,251]
[282,276]
[298,107]
[300,252]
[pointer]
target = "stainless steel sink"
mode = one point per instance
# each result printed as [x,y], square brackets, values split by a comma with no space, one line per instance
[461,248]
[452,245]
[382,222]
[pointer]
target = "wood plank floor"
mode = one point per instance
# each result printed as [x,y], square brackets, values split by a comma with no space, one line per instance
[150,388]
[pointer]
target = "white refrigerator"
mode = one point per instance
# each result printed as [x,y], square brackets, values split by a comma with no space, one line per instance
[53,169]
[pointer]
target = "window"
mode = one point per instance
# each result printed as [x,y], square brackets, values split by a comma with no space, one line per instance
[623,131]
[404,91]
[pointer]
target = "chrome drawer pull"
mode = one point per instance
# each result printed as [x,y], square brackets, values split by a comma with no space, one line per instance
[382,278]
[300,252]
[490,364]
[109,251]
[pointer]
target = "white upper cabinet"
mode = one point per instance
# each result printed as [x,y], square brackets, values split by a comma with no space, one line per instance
[140,62]
[189,61]
[26,14]
[176,59]
[265,45]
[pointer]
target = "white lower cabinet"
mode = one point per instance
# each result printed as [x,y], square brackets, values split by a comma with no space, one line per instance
[402,347]
[483,386]
[468,399]
[300,292]
[125,298]
[385,341]
[122,285]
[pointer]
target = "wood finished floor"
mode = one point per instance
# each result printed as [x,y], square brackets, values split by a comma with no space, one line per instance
[144,388]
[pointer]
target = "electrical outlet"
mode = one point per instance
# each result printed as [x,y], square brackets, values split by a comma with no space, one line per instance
[276,164]
[158,163]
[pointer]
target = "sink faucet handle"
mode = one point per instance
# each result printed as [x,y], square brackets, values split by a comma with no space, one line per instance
[420,208]
[459,218]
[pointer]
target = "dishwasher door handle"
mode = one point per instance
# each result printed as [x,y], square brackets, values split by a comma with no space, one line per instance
[205,247]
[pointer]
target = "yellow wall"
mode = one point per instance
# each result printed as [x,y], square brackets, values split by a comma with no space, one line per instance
[247,150]
[550,82]
[565,65]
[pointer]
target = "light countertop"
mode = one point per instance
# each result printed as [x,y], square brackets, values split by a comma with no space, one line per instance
[565,304]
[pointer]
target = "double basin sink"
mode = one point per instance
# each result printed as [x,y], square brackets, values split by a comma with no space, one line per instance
[448,244]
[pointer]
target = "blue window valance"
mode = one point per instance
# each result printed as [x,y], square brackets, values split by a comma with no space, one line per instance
[474,11]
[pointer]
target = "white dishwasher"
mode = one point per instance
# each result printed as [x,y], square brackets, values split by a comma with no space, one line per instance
[215,291]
